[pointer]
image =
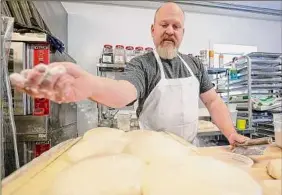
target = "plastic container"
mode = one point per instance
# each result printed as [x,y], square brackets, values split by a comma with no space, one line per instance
[107,55]
[148,49]
[220,60]
[234,116]
[129,53]
[139,51]
[123,121]
[241,124]
[119,54]
[211,59]
[277,122]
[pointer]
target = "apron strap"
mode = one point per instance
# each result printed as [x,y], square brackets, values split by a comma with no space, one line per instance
[160,64]
[187,66]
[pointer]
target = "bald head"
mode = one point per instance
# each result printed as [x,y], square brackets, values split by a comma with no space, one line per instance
[168,29]
[169,5]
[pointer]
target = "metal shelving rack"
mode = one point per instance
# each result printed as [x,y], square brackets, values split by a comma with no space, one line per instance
[9,150]
[259,74]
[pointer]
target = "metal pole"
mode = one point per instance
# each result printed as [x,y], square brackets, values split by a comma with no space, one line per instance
[1,90]
[250,107]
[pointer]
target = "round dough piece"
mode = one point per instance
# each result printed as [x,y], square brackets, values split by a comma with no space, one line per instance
[178,139]
[197,175]
[102,131]
[106,175]
[151,145]
[274,168]
[100,141]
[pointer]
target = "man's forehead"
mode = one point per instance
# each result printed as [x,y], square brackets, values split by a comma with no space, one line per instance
[169,12]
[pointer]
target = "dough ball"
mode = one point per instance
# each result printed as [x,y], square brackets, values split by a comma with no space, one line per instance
[197,175]
[151,145]
[102,131]
[178,139]
[106,175]
[274,168]
[100,141]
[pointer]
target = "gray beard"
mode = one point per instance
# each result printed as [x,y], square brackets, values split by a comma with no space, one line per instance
[167,52]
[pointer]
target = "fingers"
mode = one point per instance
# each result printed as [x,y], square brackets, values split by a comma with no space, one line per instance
[17,80]
[51,82]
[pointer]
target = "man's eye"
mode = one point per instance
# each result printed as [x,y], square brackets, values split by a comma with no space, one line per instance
[164,25]
[176,26]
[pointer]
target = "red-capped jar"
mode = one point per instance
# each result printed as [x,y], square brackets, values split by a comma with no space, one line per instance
[148,49]
[119,55]
[129,53]
[139,51]
[107,55]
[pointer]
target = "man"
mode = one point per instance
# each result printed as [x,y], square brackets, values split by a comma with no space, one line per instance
[166,84]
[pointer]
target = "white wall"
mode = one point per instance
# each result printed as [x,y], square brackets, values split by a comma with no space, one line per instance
[91,26]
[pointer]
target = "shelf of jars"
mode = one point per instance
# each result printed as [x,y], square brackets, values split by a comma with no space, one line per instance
[115,58]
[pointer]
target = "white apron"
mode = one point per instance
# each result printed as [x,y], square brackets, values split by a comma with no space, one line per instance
[172,105]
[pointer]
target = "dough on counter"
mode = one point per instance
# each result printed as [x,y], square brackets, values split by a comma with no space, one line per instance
[206,125]
[102,131]
[178,139]
[197,175]
[106,175]
[274,168]
[100,141]
[151,145]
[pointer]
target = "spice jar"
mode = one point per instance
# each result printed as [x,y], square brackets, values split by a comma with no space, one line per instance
[129,53]
[211,59]
[107,55]
[139,51]
[119,54]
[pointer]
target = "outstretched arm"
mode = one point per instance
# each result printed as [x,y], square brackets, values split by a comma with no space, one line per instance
[221,116]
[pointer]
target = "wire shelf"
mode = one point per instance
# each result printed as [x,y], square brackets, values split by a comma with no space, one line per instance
[259,75]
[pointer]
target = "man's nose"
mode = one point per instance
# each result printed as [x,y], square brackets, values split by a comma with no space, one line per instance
[169,30]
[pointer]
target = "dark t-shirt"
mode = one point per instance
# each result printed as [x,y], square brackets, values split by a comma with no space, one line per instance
[144,73]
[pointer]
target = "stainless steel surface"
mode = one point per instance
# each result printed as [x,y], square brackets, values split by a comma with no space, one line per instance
[10,158]
[15,11]
[17,63]
[22,11]
[29,37]
[56,18]
[60,124]
[11,112]
[2,168]
[31,128]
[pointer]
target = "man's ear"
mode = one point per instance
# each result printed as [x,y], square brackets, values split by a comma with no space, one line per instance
[152,29]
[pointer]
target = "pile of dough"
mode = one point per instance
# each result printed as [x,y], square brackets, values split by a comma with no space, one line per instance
[106,175]
[206,125]
[99,141]
[274,168]
[150,145]
[105,132]
[197,175]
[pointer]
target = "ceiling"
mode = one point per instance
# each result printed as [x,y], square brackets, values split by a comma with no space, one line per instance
[261,4]
[265,10]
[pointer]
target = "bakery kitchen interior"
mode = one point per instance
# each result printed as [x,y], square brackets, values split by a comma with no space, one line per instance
[118,97]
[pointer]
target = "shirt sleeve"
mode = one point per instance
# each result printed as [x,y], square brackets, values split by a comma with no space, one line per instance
[134,73]
[205,82]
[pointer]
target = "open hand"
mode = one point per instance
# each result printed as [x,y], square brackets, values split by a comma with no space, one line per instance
[61,82]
